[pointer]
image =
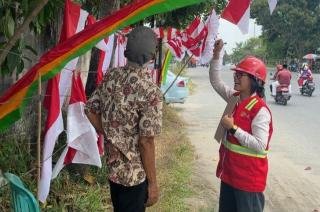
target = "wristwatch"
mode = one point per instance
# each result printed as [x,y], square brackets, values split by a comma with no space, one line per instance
[233,129]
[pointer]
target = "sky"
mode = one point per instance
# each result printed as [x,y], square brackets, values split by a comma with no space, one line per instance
[231,34]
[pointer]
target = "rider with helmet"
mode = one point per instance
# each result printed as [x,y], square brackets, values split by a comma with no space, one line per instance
[244,132]
[282,77]
[305,74]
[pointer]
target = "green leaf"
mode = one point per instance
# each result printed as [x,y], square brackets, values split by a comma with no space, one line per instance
[20,67]
[10,25]
[12,61]
[4,70]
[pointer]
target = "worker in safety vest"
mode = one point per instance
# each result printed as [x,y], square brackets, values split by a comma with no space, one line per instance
[244,132]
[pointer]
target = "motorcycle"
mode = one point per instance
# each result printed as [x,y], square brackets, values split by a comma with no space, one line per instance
[308,87]
[282,94]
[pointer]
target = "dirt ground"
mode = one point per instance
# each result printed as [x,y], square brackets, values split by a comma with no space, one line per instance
[291,186]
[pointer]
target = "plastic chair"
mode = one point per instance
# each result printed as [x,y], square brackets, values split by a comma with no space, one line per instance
[22,200]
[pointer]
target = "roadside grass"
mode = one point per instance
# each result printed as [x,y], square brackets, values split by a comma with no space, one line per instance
[85,188]
[175,155]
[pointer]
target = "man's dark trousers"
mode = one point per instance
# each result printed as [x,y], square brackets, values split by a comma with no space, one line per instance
[129,199]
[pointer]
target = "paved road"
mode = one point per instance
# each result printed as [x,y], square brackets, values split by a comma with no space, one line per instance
[294,176]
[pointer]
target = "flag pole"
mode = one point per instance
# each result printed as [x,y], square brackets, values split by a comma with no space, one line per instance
[180,71]
[39,133]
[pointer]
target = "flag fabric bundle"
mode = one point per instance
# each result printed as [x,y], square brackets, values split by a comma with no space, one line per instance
[195,35]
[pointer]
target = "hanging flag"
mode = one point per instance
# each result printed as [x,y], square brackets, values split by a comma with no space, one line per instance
[82,144]
[57,90]
[212,24]
[194,38]
[51,63]
[165,66]
[238,13]
[119,58]
[272,5]
[173,41]
[159,32]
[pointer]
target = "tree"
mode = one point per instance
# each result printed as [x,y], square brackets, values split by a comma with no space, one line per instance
[17,18]
[253,46]
[292,30]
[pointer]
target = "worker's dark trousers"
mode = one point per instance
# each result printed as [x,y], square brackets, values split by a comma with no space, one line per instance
[129,199]
[235,200]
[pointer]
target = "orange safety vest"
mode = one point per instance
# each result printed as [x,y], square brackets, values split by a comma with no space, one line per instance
[241,167]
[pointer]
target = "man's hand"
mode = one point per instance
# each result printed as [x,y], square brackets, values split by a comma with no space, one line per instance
[227,122]
[153,194]
[95,120]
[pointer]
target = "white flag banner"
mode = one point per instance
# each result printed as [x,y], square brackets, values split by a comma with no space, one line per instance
[272,5]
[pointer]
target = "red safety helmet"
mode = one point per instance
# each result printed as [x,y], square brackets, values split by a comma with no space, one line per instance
[252,66]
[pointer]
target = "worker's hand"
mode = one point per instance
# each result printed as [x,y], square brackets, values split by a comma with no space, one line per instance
[218,45]
[153,194]
[227,122]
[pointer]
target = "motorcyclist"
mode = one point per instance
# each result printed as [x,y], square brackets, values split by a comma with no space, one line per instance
[281,77]
[305,74]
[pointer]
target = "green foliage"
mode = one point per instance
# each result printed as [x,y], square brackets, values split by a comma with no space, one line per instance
[292,30]
[253,46]
[12,15]
[16,58]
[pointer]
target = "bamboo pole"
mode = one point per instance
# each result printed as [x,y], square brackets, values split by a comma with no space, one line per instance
[39,133]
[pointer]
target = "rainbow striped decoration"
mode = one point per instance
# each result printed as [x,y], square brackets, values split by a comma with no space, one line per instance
[165,66]
[17,96]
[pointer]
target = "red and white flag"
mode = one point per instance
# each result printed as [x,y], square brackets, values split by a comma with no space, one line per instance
[272,5]
[194,38]
[238,13]
[74,21]
[159,32]
[105,56]
[173,41]
[119,58]
[82,138]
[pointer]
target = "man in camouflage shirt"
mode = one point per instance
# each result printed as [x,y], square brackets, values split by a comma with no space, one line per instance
[127,109]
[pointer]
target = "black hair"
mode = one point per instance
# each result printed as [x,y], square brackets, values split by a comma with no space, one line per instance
[284,66]
[257,86]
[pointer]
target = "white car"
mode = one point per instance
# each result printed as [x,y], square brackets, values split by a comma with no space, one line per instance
[178,92]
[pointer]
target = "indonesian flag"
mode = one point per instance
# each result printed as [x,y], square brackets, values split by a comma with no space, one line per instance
[272,5]
[81,135]
[105,46]
[238,13]
[119,58]
[58,87]
[105,56]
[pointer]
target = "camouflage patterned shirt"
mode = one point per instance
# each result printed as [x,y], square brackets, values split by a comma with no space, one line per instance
[130,105]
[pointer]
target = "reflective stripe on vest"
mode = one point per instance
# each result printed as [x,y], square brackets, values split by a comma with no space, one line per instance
[251,104]
[244,150]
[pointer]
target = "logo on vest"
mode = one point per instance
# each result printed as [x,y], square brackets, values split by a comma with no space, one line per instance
[244,114]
